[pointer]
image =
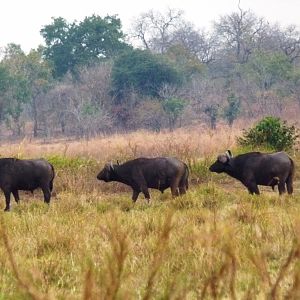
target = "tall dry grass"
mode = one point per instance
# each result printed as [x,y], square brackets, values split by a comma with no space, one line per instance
[242,247]
[186,143]
[215,242]
[192,145]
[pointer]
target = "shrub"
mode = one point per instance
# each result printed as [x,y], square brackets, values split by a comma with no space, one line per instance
[73,163]
[272,133]
[173,107]
[232,111]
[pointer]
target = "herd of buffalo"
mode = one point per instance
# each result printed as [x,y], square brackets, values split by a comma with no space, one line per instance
[252,169]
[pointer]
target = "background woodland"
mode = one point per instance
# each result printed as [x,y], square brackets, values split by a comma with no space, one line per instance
[92,78]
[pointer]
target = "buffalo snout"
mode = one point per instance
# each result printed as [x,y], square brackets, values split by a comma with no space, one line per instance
[104,175]
[100,176]
[216,167]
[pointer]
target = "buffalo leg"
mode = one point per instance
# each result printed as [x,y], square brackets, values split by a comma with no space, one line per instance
[289,184]
[51,185]
[281,187]
[47,194]
[140,182]
[16,195]
[7,200]
[135,195]
[174,186]
[183,184]
[182,190]
[253,188]
[145,191]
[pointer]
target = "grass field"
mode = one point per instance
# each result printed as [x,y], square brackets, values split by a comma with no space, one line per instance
[216,242]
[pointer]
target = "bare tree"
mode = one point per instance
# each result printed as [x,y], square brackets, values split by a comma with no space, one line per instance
[286,40]
[154,30]
[149,114]
[290,44]
[52,113]
[207,98]
[80,108]
[96,81]
[198,42]
[240,33]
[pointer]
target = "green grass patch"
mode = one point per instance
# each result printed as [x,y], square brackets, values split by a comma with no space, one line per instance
[73,163]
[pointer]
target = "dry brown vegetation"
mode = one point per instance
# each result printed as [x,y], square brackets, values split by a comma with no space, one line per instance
[193,142]
[216,242]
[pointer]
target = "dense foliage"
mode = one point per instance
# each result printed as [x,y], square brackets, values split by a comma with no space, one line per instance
[69,45]
[272,133]
[143,72]
[91,78]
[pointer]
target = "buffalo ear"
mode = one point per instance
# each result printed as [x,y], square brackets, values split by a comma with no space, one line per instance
[223,158]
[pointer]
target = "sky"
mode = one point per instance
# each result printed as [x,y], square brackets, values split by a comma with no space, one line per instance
[22,20]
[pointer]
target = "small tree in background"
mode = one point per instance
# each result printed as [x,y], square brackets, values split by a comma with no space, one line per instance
[212,111]
[4,87]
[233,109]
[173,107]
[272,133]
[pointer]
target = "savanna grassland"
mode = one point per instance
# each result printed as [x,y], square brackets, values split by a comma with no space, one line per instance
[216,242]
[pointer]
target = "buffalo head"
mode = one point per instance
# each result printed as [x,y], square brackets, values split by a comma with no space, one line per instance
[221,163]
[106,173]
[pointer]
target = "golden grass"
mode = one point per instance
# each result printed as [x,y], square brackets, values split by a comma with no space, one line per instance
[216,242]
[188,143]
[95,247]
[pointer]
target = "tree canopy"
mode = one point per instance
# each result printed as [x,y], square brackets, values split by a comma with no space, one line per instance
[91,78]
[144,72]
[69,45]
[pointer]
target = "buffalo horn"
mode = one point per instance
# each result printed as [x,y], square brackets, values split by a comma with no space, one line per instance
[228,154]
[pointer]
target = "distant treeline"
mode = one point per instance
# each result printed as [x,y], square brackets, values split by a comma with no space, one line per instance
[92,78]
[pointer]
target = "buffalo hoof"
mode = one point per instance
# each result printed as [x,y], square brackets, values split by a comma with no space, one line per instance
[7,209]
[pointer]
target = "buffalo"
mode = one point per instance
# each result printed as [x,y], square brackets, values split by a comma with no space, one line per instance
[142,173]
[255,168]
[26,175]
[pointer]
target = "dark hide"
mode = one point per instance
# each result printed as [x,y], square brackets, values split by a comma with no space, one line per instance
[26,175]
[142,173]
[255,168]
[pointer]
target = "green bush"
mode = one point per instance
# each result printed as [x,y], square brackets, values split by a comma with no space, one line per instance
[74,163]
[271,133]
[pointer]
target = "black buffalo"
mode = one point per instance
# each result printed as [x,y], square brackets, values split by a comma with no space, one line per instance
[143,173]
[26,175]
[255,168]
